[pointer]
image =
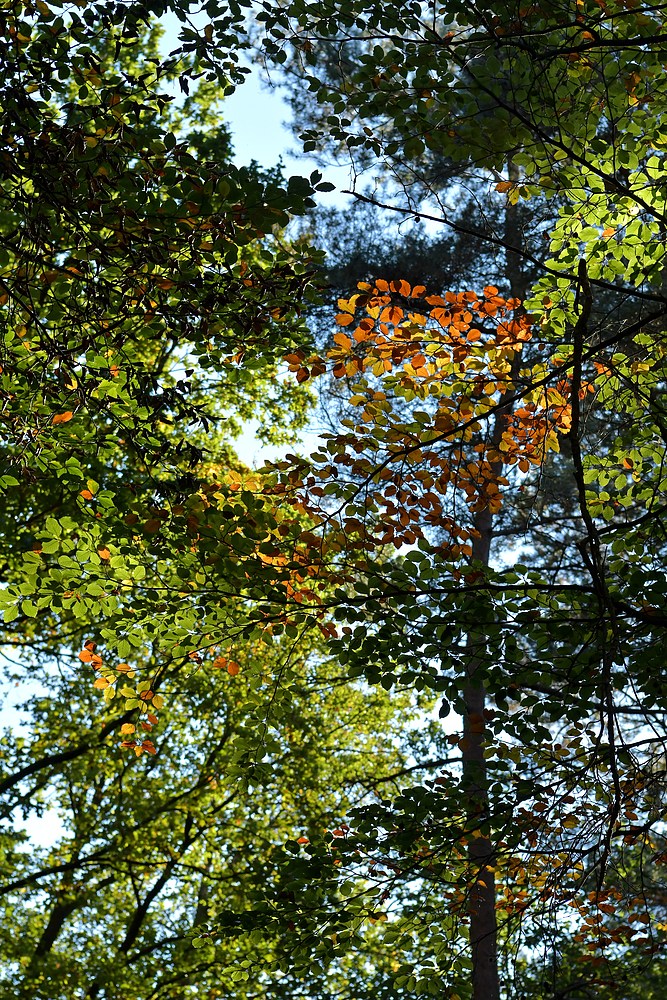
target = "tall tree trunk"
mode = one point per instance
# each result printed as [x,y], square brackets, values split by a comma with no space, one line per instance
[482,895]
[481,850]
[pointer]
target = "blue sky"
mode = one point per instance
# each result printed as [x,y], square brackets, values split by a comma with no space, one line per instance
[259,118]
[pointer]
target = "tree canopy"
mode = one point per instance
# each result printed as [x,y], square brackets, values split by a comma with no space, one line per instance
[385,720]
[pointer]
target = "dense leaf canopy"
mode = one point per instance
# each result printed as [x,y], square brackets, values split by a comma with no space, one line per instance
[239,670]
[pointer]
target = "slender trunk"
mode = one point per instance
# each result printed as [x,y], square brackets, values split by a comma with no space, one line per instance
[482,896]
[481,850]
[141,912]
[201,913]
[57,919]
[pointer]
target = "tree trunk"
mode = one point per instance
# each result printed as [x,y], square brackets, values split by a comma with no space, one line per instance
[481,850]
[482,896]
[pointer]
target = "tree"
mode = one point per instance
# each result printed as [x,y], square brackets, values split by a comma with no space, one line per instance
[152,846]
[145,300]
[379,545]
[395,475]
[148,296]
[572,100]
[559,94]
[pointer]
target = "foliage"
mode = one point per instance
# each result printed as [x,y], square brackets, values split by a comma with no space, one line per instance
[149,848]
[572,95]
[563,102]
[572,774]
[147,295]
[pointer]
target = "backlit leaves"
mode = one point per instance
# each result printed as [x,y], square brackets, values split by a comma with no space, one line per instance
[424,386]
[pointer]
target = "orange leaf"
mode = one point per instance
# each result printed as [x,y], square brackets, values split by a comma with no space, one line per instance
[233,668]
[392,314]
[101,683]
[62,418]
[344,319]
[343,341]
[609,231]
[402,287]
[504,186]
[104,553]
[86,494]
[127,729]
